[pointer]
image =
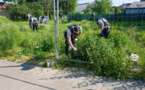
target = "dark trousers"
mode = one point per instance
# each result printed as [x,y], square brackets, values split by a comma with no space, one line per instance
[30,24]
[35,26]
[91,19]
[67,46]
[106,32]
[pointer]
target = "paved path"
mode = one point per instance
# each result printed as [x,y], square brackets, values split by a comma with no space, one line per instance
[17,76]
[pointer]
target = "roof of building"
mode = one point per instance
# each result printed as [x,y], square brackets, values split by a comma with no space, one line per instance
[124,5]
[137,5]
[81,7]
[3,5]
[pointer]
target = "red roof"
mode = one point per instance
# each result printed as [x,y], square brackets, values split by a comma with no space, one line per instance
[3,5]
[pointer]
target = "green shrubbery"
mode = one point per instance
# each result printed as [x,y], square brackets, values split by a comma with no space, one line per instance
[108,57]
[19,12]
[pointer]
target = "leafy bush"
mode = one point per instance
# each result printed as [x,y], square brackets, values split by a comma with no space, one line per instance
[107,56]
[48,45]
[19,12]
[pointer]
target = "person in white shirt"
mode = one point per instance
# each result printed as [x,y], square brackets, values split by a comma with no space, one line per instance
[62,19]
[29,19]
[40,19]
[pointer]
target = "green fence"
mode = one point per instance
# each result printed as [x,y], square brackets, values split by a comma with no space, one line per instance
[109,17]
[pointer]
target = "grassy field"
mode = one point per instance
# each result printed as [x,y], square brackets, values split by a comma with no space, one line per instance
[109,57]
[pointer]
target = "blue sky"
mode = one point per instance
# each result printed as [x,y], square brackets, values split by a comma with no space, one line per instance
[115,2]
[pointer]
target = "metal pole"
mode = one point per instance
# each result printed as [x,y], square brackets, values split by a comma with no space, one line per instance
[57,27]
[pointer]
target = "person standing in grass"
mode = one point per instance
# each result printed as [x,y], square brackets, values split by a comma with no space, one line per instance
[92,17]
[34,23]
[71,35]
[40,19]
[29,19]
[62,19]
[105,28]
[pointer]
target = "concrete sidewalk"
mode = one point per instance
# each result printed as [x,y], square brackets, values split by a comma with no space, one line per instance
[17,76]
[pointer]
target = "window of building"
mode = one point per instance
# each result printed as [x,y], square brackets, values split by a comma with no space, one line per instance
[144,11]
[140,10]
[135,11]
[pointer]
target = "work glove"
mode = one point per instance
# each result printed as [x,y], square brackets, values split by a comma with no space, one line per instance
[76,39]
[101,33]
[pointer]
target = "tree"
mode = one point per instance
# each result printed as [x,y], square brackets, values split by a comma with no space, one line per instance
[103,6]
[116,9]
[89,9]
[100,7]
[68,7]
[44,8]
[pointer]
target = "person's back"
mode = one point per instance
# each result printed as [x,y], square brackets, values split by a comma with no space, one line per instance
[71,27]
[105,28]
[106,23]
[35,23]
[45,19]
[34,20]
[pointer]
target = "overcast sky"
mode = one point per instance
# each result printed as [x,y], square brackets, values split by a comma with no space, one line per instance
[115,2]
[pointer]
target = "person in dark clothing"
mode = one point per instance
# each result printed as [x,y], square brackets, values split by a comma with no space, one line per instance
[92,17]
[71,35]
[34,23]
[105,28]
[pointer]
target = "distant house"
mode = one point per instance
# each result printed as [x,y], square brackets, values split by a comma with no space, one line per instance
[81,7]
[136,7]
[124,5]
[3,10]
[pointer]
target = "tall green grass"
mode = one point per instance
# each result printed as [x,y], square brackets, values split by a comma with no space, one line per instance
[17,37]
[109,57]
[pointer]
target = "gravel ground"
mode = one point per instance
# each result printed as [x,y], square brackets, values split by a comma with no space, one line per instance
[18,76]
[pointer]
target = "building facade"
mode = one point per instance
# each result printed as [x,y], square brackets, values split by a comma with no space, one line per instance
[142,0]
[3,10]
[136,8]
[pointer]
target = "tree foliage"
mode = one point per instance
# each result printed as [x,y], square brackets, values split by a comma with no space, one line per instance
[116,10]
[18,12]
[68,7]
[39,9]
[102,7]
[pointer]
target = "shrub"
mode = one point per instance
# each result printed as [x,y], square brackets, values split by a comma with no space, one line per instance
[106,55]
[19,12]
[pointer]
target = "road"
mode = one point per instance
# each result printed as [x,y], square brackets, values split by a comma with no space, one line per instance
[18,76]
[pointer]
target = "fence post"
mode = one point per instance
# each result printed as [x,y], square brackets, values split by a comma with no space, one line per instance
[57,27]
[55,20]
